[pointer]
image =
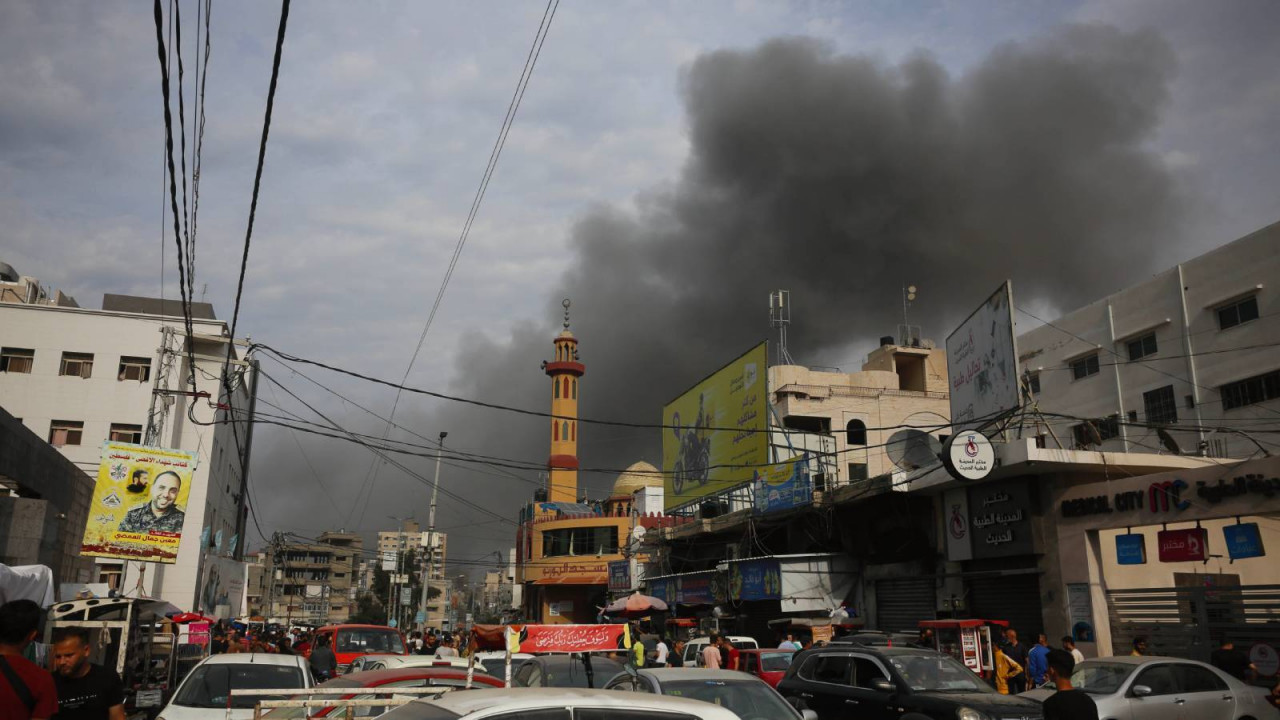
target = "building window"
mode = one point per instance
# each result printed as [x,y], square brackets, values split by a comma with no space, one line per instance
[855,433]
[1033,383]
[1259,388]
[573,432]
[857,471]
[555,384]
[555,431]
[16,360]
[126,433]
[1108,427]
[1142,347]
[1133,416]
[134,368]
[1161,408]
[575,389]
[564,430]
[65,432]
[77,364]
[580,541]
[1238,312]
[1084,367]
[111,574]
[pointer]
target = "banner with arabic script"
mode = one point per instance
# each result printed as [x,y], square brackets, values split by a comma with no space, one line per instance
[568,638]
[139,503]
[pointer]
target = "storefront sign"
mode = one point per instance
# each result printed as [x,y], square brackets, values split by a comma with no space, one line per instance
[823,633]
[1244,540]
[567,638]
[663,589]
[955,513]
[695,589]
[783,486]
[969,455]
[620,575]
[1251,484]
[1159,497]
[1000,519]
[1131,549]
[755,580]
[1190,545]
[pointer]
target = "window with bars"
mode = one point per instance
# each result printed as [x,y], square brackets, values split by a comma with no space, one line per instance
[1033,383]
[77,364]
[1108,427]
[1238,312]
[65,432]
[1144,346]
[1259,388]
[1084,367]
[134,368]
[1160,406]
[16,360]
[126,433]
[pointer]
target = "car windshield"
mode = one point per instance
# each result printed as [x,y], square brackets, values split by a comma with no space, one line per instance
[748,699]
[937,673]
[572,674]
[208,685]
[775,662]
[1102,678]
[370,640]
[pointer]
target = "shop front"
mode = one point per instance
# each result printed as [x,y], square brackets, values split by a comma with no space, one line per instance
[566,591]
[1179,557]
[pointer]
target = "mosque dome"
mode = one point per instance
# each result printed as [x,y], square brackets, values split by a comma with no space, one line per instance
[639,475]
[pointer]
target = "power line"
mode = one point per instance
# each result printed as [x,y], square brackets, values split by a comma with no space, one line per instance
[531,61]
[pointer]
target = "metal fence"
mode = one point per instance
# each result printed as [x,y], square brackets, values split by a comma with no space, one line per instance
[1191,622]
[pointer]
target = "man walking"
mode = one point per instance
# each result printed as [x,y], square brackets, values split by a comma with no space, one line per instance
[27,692]
[661,651]
[1069,644]
[324,664]
[85,691]
[1067,703]
[676,658]
[1017,652]
[729,654]
[1232,661]
[711,654]
[1037,661]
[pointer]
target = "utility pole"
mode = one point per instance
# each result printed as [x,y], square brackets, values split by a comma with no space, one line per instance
[430,565]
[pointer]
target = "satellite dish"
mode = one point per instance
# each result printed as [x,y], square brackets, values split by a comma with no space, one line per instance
[912,449]
[638,534]
[1167,440]
[1095,437]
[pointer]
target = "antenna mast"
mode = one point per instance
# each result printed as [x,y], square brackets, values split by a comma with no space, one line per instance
[908,334]
[779,319]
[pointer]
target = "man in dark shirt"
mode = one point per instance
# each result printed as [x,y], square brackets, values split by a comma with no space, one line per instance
[161,512]
[1017,652]
[1067,703]
[324,664]
[1231,661]
[26,689]
[85,691]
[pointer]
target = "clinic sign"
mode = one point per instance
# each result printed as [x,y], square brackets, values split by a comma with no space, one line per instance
[969,455]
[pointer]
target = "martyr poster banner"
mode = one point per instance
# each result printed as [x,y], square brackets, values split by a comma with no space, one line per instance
[568,638]
[139,503]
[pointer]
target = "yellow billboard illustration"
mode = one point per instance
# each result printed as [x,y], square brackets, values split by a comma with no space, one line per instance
[715,435]
[139,503]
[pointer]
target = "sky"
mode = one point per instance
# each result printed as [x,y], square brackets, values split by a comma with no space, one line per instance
[669,165]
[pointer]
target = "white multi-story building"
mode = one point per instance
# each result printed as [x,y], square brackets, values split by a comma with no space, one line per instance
[81,376]
[1196,348]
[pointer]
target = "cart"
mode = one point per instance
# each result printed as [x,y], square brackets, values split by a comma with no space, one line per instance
[969,641]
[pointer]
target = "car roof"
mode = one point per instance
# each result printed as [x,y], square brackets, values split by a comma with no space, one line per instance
[464,703]
[490,654]
[356,625]
[671,674]
[559,659]
[256,658]
[1141,659]
[761,651]
[374,678]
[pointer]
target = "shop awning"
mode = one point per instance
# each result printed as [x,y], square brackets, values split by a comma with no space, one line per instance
[574,580]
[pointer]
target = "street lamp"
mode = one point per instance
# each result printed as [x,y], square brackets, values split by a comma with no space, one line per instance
[393,602]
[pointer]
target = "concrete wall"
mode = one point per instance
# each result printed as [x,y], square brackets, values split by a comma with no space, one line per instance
[100,400]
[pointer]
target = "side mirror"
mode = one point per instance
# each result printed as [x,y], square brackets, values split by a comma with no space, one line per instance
[1141,691]
[883,685]
[808,715]
[630,670]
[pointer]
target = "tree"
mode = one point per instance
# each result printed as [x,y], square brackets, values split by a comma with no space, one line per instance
[369,611]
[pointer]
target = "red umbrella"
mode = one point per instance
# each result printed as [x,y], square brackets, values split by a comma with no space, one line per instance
[635,605]
[188,617]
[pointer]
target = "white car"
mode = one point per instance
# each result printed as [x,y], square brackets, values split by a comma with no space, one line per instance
[1164,688]
[364,661]
[391,662]
[747,695]
[203,693]
[557,704]
[693,648]
[495,662]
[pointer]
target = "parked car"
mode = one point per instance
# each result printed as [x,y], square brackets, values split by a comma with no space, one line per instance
[564,671]
[876,638]
[495,662]
[1162,688]
[558,704]
[203,694]
[444,678]
[362,663]
[351,641]
[694,647]
[387,662]
[768,664]
[749,697]
[852,681]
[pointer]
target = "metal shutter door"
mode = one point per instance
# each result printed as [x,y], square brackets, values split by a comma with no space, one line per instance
[901,603]
[1015,598]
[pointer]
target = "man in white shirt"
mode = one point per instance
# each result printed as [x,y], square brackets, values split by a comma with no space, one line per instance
[1069,645]
[660,660]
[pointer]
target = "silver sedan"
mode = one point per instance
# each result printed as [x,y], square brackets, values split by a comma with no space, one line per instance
[1164,688]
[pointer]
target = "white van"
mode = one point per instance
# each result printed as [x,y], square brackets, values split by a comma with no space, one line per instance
[693,648]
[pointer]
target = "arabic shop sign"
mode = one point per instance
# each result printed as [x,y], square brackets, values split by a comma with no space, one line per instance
[1000,519]
[696,589]
[1244,540]
[1190,545]
[620,575]
[1131,549]
[755,580]
[664,589]
[1172,495]
[783,486]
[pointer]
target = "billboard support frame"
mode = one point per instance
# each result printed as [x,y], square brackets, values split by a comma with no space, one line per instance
[988,420]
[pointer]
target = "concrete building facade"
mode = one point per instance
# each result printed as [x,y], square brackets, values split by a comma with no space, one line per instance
[313,583]
[78,377]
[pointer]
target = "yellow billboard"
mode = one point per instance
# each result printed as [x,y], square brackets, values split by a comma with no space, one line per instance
[715,435]
[139,503]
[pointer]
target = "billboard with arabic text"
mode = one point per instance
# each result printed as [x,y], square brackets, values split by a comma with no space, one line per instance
[982,362]
[139,503]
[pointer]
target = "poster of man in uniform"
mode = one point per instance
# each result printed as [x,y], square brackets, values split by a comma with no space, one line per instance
[139,503]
